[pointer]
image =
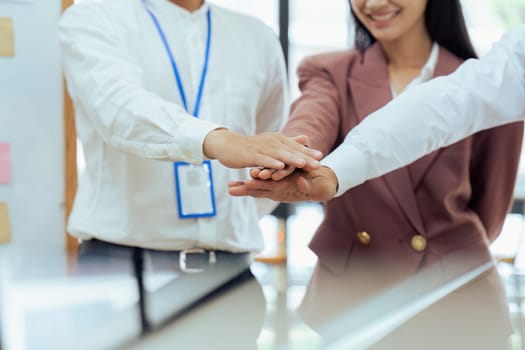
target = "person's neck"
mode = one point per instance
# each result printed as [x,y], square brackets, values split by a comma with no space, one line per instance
[410,51]
[190,5]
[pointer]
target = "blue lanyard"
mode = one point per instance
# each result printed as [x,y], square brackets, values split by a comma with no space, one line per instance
[174,64]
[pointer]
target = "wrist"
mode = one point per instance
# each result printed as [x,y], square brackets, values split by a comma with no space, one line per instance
[332,178]
[213,141]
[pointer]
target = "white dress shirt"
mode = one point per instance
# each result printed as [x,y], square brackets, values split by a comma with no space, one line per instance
[481,94]
[132,125]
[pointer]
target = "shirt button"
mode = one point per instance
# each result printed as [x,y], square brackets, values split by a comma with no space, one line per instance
[418,243]
[364,237]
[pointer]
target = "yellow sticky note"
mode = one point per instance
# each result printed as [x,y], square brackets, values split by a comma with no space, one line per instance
[5,229]
[7,37]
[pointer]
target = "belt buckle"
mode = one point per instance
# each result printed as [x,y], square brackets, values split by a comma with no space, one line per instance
[184,253]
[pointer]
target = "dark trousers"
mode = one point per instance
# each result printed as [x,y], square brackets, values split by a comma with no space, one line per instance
[187,293]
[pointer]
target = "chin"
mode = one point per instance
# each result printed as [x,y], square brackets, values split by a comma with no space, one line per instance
[385,37]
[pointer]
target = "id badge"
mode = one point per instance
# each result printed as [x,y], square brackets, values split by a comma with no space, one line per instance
[195,194]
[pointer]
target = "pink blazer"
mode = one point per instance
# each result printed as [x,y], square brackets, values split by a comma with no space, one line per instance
[455,198]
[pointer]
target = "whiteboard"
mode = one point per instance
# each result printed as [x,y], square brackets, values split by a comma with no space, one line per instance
[31,122]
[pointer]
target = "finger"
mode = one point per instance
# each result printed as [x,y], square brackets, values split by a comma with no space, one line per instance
[299,159]
[237,192]
[274,152]
[272,160]
[303,185]
[292,153]
[299,147]
[254,172]
[235,183]
[281,174]
[255,184]
[237,188]
[266,174]
[302,139]
[293,157]
[311,165]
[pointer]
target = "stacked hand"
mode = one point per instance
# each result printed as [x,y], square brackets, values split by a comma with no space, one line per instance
[269,150]
[287,170]
[319,184]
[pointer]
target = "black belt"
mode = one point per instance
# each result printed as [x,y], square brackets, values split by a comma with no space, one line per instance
[193,260]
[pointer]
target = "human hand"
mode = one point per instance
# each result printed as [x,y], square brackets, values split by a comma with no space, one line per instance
[317,185]
[273,174]
[279,174]
[268,150]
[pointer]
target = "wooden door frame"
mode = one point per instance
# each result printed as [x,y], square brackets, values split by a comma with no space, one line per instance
[70,158]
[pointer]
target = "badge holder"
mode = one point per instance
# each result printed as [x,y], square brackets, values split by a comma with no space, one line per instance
[195,193]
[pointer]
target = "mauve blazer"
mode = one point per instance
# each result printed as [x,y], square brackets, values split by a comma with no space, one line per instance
[455,198]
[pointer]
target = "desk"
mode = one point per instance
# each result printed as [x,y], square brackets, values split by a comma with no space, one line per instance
[45,306]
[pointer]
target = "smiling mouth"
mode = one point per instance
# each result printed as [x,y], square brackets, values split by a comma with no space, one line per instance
[383,17]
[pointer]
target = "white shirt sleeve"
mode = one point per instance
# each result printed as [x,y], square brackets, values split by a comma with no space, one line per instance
[481,94]
[107,83]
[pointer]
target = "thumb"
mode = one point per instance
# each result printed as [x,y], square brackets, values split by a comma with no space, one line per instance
[303,185]
[302,139]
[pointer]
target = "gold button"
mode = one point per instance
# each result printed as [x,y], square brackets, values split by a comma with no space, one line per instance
[364,237]
[418,243]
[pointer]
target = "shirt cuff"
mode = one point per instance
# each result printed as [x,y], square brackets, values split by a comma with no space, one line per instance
[349,165]
[190,140]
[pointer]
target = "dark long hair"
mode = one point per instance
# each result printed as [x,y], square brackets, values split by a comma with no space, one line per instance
[444,23]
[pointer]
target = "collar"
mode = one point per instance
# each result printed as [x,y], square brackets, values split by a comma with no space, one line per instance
[171,9]
[427,72]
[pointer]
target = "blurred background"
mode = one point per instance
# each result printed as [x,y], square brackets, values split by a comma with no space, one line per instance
[304,27]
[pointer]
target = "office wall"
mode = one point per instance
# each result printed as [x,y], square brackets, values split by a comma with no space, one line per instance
[31,121]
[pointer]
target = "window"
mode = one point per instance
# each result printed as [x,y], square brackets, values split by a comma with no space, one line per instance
[316,27]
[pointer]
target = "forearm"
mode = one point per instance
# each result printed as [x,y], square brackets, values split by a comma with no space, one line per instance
[106,83]
[153,128]
[479,95]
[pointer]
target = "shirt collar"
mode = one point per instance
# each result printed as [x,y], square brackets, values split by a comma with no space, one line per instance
[173,9]
[427,72]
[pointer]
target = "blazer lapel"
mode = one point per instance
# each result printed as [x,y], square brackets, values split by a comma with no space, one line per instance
[369,82]
[370,90]
[445,65]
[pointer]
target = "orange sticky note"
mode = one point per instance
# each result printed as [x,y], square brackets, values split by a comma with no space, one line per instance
[5,163]
[7,37]
[5,228]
